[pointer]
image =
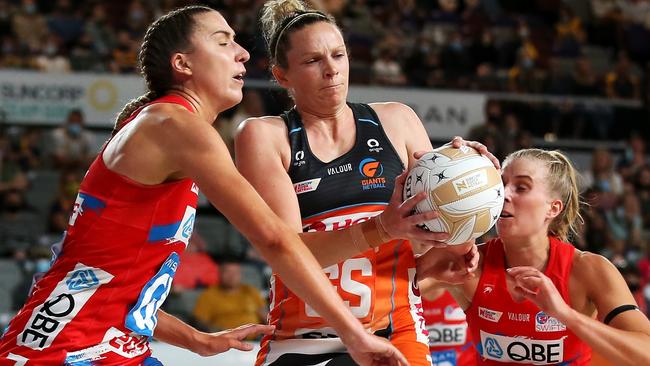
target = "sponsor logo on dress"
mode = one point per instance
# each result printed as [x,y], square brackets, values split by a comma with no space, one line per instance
[522,350]
[373,145]
[448,335]
[519,317]
[306,185]
[340,169]
[62,306]
[372,169]
[547,323]
[339,222]
[489,315]
[299,158]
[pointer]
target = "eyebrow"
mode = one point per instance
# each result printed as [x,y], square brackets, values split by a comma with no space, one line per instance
[224,32]
[523,176]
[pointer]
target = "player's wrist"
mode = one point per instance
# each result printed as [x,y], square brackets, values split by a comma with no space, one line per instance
[369,234]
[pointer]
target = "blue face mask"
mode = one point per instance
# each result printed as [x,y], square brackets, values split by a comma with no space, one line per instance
[74,129]
[42,265]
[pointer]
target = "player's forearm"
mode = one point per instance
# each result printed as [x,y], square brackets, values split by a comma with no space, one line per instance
[173,331]
[331,247]
[618,346]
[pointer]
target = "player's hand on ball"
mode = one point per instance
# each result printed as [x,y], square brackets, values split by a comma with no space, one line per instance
[458,141]
[532,284]
[209,344]
[399,221]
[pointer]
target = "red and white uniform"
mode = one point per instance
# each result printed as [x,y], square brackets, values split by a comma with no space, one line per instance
[450,342]
[97,305]
[510,332]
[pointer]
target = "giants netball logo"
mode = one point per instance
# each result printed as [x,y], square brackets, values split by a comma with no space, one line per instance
[372,169]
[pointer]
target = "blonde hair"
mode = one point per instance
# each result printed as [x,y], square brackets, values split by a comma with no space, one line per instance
[280,18]
[562,180]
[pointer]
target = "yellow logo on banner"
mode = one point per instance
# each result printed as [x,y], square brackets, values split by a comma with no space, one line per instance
[102,95]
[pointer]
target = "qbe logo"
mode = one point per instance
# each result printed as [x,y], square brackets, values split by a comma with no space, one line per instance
[62,306]
[81,280]
[522,350]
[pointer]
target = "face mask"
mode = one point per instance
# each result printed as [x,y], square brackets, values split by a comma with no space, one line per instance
[527,63]
[456,46]
[74,129]
[42,265]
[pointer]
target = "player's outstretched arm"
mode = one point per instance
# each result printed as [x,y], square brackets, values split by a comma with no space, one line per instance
[196,150]
[174,331]
[625,340]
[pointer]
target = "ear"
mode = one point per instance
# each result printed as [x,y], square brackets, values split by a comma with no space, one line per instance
[181,64]
[280,75]
[556,208]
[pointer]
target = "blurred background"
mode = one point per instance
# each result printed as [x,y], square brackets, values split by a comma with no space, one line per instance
[566,74]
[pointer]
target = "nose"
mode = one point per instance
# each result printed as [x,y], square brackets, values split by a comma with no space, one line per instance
[330,68]
[242,55]
[507,192]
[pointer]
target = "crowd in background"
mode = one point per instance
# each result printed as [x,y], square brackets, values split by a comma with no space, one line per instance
[590,48]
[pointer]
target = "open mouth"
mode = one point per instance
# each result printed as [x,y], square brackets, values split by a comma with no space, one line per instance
[505,215]
[240,76]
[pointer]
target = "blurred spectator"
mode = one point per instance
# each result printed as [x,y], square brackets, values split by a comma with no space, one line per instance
[456,62]
[197,269]
[125,54]
[569,34]
[52,59]
[584,80]
[65,22]
[61,207]
[625,224]
[642,186]
[386,70]
[29,25]
[634,157]
[137,19]
[101,34]
[72,144]
[84,58]
[620,82]
[523,76]
[231,303]
[19,225]
[602,174]
[12,175]
[484,50]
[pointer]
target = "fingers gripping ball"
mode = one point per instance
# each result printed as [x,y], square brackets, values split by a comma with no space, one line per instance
[463,186]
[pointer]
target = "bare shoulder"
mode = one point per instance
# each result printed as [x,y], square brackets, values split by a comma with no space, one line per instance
[595,273]
[588,264]
[257,128]
[393,109]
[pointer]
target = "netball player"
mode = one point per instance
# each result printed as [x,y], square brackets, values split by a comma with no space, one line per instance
[135,211]
[327,165]
[535,298]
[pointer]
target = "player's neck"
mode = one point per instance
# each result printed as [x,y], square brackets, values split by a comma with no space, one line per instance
[530,251]
[205,111]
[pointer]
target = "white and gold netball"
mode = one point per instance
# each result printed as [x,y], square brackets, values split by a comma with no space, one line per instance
[463,186]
